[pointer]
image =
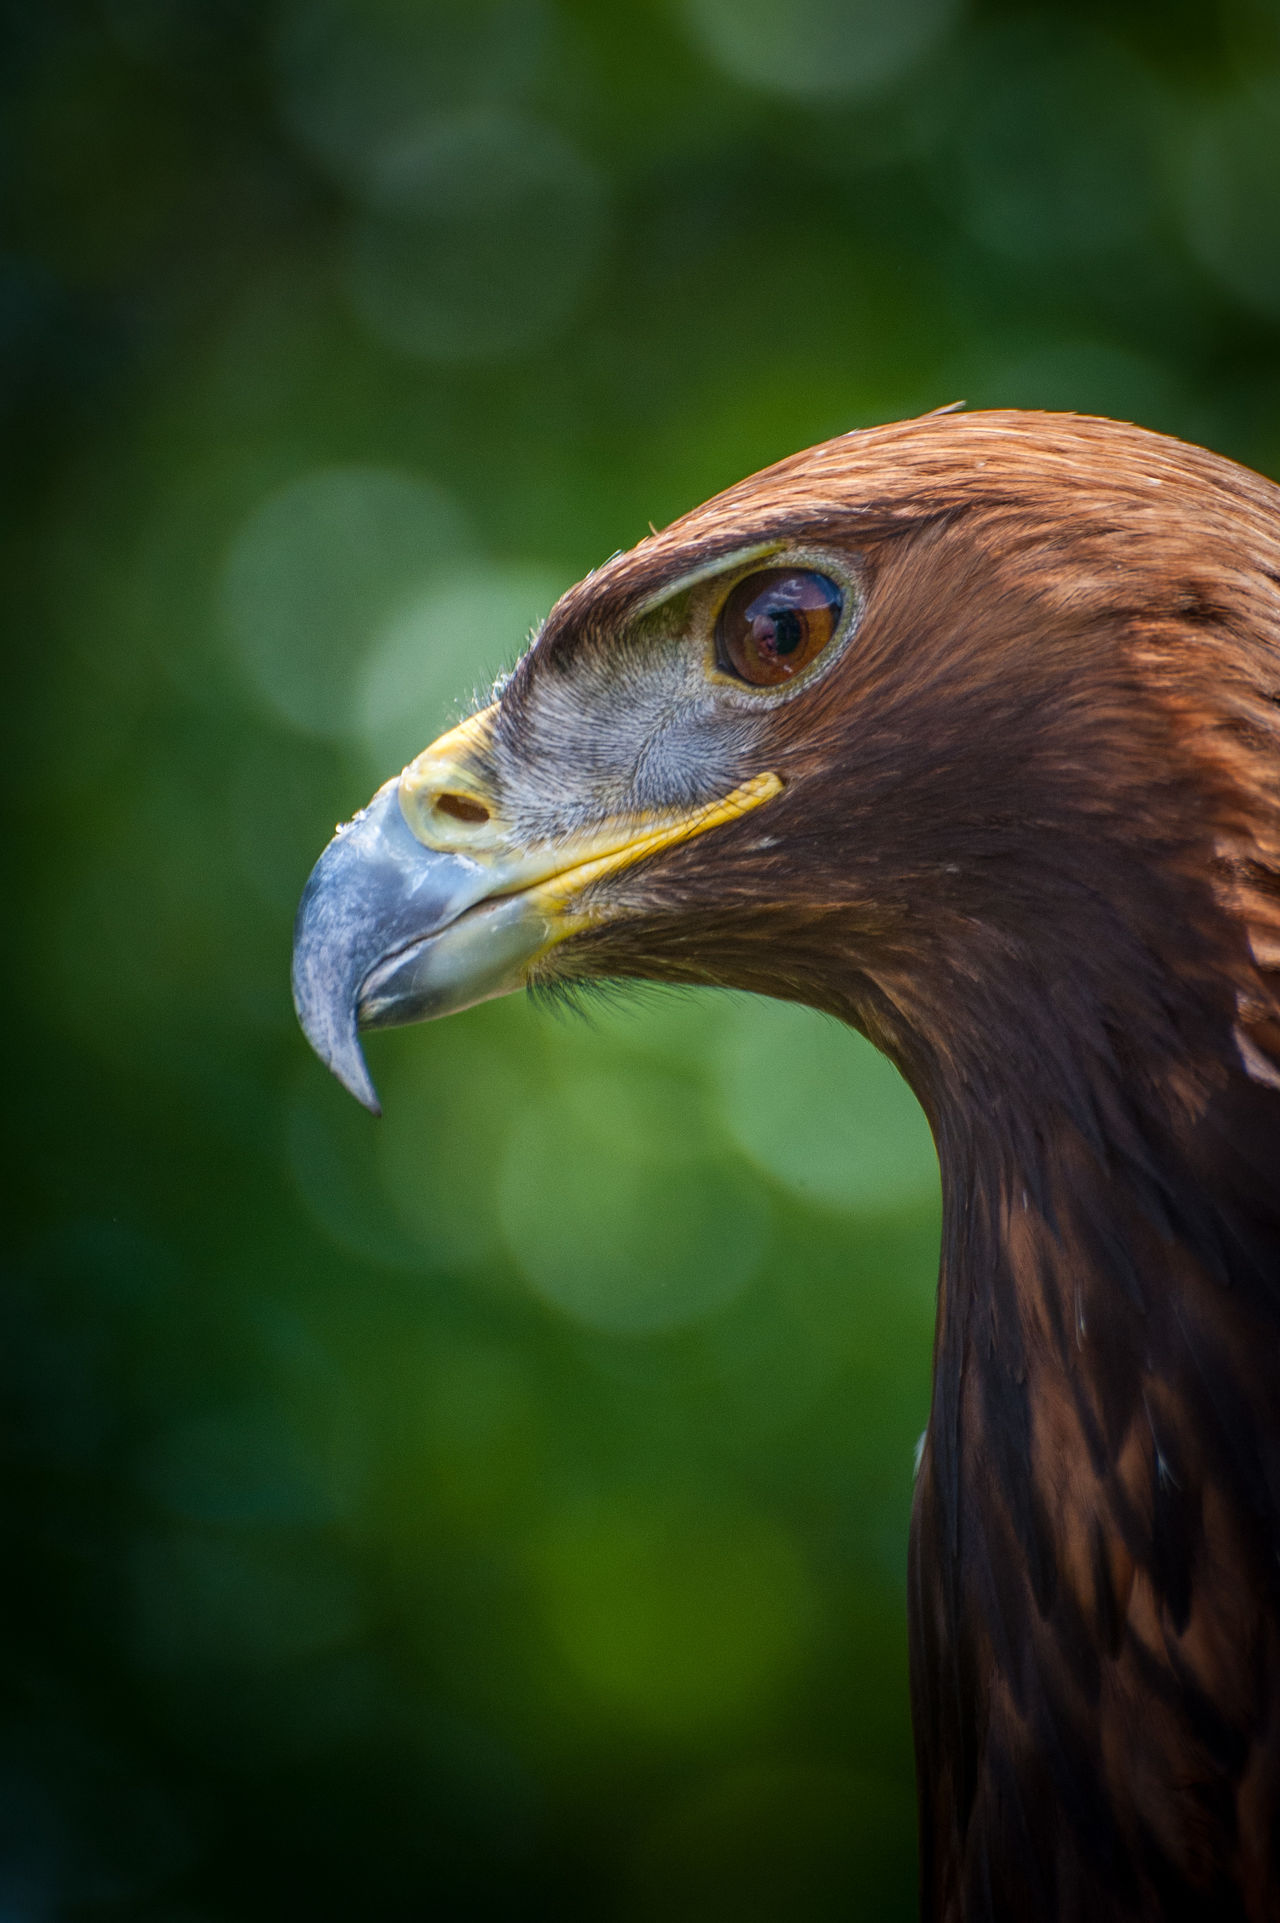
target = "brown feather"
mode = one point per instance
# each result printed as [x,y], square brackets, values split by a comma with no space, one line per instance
[1030,843]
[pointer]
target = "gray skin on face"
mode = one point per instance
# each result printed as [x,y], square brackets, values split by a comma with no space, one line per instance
[638,719]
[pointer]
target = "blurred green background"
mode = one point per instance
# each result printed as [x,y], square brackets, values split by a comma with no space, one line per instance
[501,1510]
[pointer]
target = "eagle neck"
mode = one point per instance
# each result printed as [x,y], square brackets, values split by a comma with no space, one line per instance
[1096,1536]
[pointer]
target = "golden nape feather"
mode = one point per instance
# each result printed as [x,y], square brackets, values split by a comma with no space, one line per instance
[967,731]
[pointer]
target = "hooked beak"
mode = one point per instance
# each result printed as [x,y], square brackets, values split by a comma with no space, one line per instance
[426,902]
[367,944]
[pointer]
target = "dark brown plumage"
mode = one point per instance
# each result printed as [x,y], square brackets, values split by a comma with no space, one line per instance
[1028,840]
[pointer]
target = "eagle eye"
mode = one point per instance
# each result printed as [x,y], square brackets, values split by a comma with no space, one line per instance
[775,623]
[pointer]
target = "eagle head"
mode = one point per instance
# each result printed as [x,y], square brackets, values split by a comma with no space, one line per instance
[898,727]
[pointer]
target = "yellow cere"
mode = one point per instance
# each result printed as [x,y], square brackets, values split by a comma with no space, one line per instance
[444,772]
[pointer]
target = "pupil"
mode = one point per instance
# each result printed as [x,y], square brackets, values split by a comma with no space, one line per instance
[788,630]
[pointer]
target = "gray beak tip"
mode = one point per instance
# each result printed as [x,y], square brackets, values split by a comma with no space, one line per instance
[367,1096]
[349,1066]
[374,895]
[328,1019]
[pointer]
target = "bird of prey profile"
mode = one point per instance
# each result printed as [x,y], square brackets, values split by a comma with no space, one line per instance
[967,731]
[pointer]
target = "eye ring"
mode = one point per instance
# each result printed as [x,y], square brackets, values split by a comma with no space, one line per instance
[774,623]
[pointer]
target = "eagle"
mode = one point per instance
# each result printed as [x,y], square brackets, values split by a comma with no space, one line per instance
[965,730]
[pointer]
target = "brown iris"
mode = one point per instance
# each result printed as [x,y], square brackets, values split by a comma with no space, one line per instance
[775,623]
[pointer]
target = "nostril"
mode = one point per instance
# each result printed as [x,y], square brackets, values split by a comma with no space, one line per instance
[462,808]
